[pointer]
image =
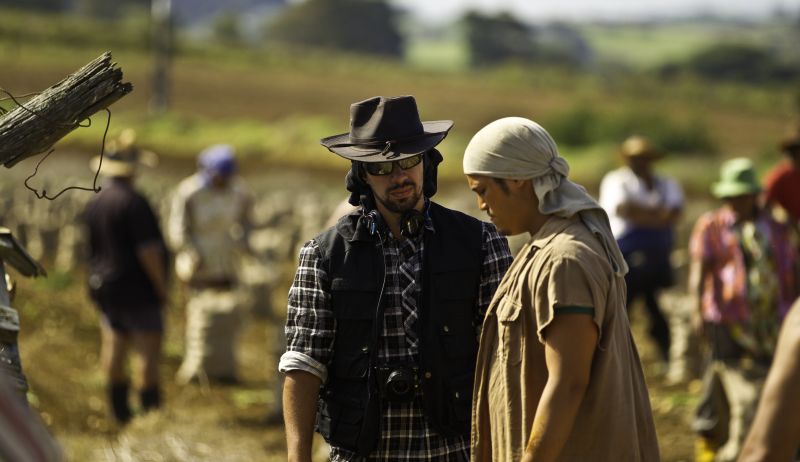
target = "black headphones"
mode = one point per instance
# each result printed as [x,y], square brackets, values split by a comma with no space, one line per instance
[411,223]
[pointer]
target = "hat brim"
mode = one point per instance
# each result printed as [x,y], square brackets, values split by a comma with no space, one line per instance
[434,133]
[649,154]
[113,167]
[722,190]
[790,145]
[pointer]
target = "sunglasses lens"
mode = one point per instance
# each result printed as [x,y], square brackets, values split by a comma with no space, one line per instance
[385,168]
[378,168]
[409,162]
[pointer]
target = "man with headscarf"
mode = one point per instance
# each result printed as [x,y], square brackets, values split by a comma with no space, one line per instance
[386,305]
[209,226]
[558,377]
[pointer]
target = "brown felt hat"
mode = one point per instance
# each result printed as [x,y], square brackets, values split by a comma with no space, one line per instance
[791,140]
[384,129]
[640,146]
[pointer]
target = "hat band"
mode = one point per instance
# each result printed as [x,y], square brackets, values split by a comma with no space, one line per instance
[387,145]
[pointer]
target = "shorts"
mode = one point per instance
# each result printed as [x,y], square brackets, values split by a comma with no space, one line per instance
[126,319]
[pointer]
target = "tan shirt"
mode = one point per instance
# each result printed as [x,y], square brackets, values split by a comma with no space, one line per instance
[563,265]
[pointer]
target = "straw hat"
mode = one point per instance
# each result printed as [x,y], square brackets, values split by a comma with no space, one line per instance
[122,156]
[640,147]
[791,140]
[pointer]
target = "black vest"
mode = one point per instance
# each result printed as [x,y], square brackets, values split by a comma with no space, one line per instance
[348,415]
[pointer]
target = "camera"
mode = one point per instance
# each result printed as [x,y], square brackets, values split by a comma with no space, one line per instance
[398,383]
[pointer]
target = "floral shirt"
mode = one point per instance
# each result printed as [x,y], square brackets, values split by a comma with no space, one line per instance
[752,281]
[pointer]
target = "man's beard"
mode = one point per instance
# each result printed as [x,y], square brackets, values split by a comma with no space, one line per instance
[406,204]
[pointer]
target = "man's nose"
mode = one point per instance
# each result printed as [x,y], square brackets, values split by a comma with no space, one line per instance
[397,172]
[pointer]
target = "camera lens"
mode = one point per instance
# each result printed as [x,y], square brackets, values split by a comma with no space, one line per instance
[400,386]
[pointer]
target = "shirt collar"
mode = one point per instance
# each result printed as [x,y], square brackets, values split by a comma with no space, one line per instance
[551,228]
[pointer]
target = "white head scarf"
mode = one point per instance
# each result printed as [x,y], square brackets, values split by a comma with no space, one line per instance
[520,149]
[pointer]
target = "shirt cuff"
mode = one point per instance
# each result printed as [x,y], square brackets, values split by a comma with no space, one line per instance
[296,361]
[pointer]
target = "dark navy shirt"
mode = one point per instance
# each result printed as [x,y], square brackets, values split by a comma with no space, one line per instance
[120,221]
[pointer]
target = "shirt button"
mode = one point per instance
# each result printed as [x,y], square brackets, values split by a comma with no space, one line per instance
[428,375]
[446,329]
[364,349]
[458,395]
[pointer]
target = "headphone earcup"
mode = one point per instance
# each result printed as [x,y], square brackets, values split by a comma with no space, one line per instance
[374,222]
[411,223]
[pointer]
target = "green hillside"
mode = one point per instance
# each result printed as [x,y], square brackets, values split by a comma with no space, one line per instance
[275,104]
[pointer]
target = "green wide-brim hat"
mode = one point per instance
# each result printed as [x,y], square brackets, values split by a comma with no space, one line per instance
[737,178]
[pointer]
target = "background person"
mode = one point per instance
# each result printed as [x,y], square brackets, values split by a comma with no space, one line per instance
[643,208]
[127,275]
[742,276]
[386,305]
[558,376]
[775,433]
[209,224]
[782,184]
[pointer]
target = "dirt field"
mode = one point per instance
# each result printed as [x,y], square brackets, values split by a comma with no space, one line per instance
[60,345]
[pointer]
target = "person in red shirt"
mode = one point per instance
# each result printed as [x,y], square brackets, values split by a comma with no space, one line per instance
[783,181]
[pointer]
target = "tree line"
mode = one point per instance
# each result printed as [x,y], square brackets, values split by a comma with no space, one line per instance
[375,27]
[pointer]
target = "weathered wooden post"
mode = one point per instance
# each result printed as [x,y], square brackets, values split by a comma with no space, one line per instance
[36,125]
[33,127]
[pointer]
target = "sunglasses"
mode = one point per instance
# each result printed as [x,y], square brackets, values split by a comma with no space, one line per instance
[385,168]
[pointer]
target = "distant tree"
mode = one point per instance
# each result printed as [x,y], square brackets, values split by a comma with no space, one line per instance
[43,5]
[498,38]
[742,63]
[362,26]
[227,28]
[562,44]
[109,9]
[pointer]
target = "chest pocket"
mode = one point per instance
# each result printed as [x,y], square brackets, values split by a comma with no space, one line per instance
[510,330]
[353,303]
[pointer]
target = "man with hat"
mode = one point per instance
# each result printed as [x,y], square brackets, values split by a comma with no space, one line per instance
[643,208]
[209,224]
[127,271]
[386,306]
[742,276]
[783,182]
[558,377]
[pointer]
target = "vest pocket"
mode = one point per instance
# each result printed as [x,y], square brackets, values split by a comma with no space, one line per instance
[510,330]
[353,304]
[340,422]
[454,312]
[460,390]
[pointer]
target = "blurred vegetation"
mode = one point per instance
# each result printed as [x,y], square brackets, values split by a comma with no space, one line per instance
[585,125]
[738,62]
[496,39]
[275,102]
[227,29]
[366,26]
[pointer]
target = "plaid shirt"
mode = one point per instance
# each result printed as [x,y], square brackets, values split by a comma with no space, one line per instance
[311,327]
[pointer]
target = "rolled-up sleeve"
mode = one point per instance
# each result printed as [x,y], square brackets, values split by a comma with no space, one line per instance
[310,324]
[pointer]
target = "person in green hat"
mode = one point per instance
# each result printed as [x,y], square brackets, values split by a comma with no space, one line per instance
[742,276]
